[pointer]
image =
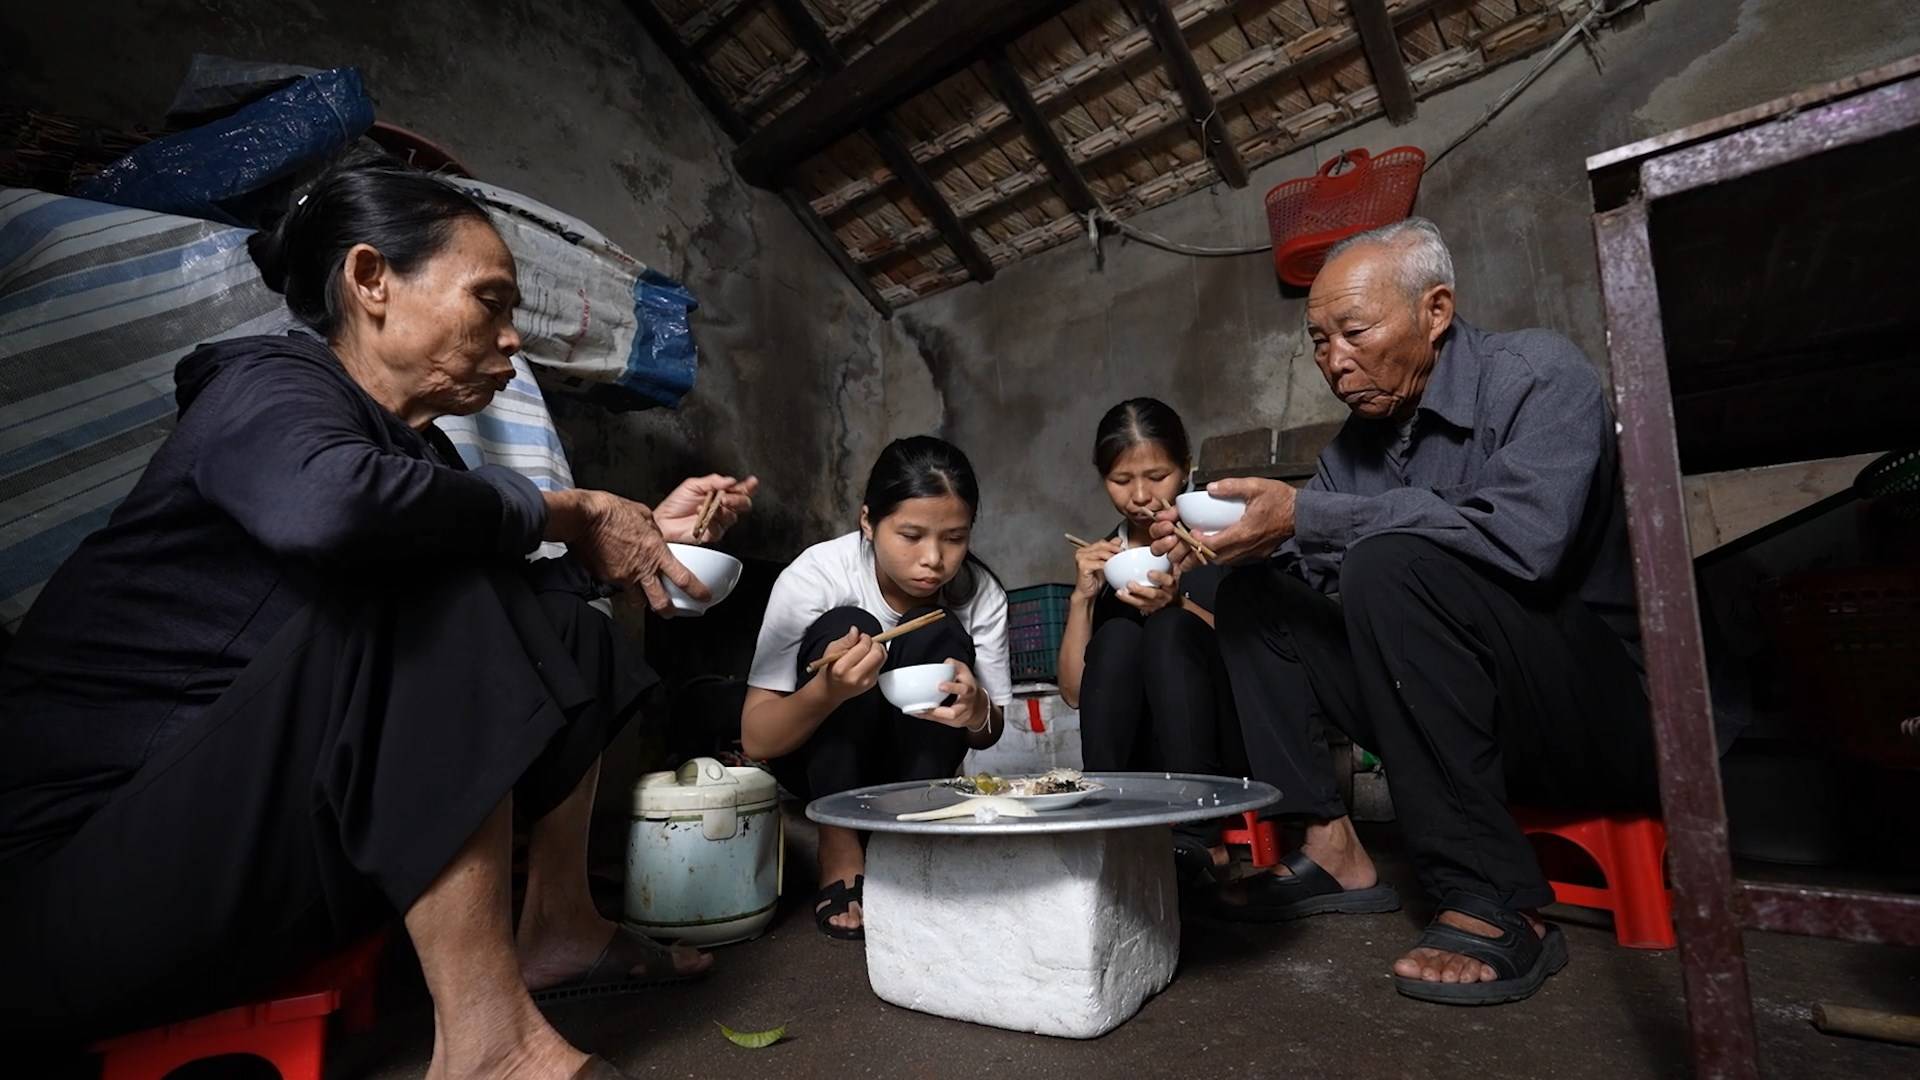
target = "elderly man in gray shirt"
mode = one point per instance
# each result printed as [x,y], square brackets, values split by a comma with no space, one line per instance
[1483,641]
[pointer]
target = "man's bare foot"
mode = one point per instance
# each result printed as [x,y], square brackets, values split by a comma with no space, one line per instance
[554,952]
[841,860]
[1436,965]
[533,1051]
[1336,848]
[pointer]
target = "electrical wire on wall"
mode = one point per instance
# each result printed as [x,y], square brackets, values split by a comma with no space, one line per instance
[1100,218]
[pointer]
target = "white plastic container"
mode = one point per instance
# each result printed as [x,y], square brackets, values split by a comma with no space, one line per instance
[704,853]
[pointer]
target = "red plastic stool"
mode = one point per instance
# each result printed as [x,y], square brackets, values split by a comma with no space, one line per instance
[289,1030]
[1630,850]
[1261,837]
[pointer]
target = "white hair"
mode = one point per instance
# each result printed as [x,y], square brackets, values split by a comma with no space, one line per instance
[1424,260]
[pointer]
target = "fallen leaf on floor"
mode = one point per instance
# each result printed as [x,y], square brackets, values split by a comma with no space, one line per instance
[753,1040]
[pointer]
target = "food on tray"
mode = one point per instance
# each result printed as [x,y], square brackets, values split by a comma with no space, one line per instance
[1054,782]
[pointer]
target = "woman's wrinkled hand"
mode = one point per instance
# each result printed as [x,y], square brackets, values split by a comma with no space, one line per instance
[620,543]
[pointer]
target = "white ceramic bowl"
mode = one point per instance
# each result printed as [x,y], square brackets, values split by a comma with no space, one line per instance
[1204,513]
[1132,566]
[717,570]
[916,689]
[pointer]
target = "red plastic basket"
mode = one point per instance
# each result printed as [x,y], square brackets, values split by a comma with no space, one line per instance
[1311,214]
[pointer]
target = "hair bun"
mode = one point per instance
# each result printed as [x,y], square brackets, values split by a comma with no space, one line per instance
[269,251]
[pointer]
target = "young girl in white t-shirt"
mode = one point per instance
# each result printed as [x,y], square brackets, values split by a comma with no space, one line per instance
[832,731]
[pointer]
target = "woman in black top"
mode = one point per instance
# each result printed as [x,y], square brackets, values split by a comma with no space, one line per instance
[304,678]
[1142,664]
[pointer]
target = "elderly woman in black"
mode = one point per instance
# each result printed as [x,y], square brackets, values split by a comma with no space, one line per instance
[304,678]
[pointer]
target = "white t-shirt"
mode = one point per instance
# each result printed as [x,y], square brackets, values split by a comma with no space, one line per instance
[840,573]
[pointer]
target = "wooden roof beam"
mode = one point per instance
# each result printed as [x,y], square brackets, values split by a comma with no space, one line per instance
[1193,91]
[683,61]
[1055,89]
[941,41]
[1382,46]
[1254,71]
[1066,175]
[893,149]
[772,85]
[699,31]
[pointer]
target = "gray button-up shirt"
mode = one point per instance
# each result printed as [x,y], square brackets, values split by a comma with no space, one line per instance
[1511,463]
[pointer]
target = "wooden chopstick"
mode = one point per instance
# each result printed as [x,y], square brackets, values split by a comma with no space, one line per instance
[707,507]
[1205,553]
[880,639]
[1186,602]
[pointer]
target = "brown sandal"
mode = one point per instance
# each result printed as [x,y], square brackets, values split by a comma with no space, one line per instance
[613,971]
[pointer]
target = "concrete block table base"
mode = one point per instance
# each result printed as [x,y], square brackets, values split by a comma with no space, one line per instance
[1062,934]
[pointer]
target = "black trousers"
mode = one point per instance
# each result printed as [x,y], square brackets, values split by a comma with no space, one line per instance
[866,740]
[1154,691]
[1473,691]
[318,798]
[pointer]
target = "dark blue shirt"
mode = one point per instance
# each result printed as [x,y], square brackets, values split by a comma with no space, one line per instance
[1511,463]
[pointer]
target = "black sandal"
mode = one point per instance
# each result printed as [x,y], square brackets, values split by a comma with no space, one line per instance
[613,971]
[1520,958]
[838,899]
[1308,890]
[1193,866]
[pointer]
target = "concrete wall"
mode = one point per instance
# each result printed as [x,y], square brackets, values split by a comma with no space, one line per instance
[571,103]
[1018,371]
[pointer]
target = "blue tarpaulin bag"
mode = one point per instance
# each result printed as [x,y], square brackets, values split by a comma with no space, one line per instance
[230,170]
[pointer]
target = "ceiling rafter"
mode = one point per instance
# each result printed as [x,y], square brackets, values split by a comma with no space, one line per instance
[880,129]
[1250,73]
[942,40]
[683,61]
[774,83]
[1382,47]
[1012,90]
[1194,94]
[1011,147]
[712,21]
[1258,67]
[1286,135]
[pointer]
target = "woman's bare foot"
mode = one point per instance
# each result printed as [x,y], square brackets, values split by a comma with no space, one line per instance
[1335,847]
[536,1053]
[1438,965]
[558,949]
[842,859]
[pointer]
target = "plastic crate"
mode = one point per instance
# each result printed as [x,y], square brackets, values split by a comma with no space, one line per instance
[1850,646]
[1036,617]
